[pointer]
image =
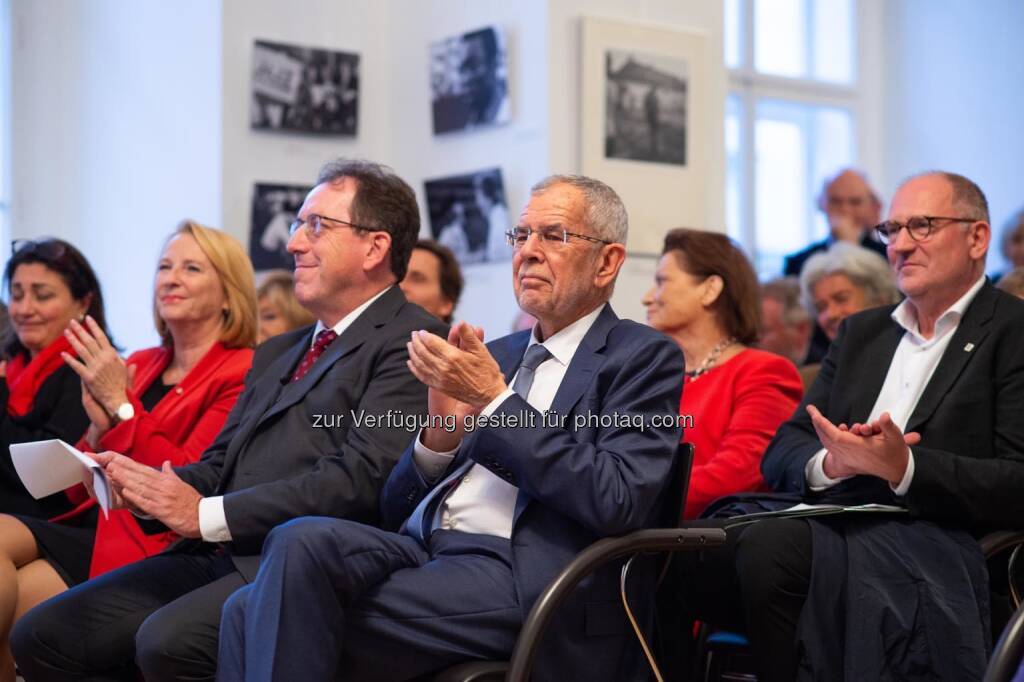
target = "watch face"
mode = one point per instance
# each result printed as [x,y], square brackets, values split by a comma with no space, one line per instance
[125,411]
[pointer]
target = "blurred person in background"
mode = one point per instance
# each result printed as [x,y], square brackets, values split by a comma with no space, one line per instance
[786,325]
[434,280]
[163,405]
[1013,282]
[705,297]
[279,310]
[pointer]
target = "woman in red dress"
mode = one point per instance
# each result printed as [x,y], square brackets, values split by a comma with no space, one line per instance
[705,296]
[162,405]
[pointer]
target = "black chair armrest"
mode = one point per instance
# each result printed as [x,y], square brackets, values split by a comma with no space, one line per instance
[1009,651]
[997,541]
[593,557]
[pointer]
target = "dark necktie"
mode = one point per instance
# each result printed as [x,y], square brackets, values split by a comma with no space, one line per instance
[422,517]
[323,339]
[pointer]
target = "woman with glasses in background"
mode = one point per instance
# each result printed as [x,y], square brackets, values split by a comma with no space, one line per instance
[163,405]
[49,284]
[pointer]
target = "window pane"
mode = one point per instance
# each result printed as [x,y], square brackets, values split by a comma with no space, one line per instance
[796,147]
[780,37]
[733,168]
[733,34]
[833,40]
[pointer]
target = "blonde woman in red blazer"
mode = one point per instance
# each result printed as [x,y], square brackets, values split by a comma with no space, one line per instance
[163,404]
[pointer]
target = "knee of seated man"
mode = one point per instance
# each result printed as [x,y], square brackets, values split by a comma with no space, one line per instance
[774,555]
[37,637]
[162,649]
[307,535]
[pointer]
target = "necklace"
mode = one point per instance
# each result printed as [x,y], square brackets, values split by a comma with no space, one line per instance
[711,359]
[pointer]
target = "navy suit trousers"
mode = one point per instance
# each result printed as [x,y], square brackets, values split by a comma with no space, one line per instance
[336,599]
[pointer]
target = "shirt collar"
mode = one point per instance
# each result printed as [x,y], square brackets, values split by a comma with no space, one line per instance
[563,345]
[906,316]
[347,321]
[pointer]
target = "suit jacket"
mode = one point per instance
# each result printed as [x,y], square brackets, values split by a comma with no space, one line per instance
[292,449]
[577,485]
[969,467]
[794,262]
[57,412]
[179,428]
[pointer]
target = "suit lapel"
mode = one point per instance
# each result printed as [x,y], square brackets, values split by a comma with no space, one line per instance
[968,337]
[878,356]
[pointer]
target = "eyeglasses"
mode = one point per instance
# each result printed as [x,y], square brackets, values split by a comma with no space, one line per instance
[50,249]
[314,225]
[919,227]
[548,236]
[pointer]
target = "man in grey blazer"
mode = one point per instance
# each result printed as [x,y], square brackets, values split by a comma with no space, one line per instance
[315,432]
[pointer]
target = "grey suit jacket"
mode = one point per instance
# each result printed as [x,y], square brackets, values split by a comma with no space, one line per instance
[291,449]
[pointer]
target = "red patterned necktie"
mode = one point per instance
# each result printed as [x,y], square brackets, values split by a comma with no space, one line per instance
[323,339]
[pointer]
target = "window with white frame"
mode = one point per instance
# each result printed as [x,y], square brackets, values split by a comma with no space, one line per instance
[789,119]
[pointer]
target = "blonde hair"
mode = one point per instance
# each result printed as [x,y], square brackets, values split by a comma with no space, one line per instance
[229,260]
[278,287]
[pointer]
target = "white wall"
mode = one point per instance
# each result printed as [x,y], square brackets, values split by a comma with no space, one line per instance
[115,135]
[565,86]
[251,156]
[953,96]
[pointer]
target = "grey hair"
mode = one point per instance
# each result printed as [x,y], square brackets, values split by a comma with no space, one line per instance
[786,290]
[605,214]
[1013,282]
[966,193]
[864,268]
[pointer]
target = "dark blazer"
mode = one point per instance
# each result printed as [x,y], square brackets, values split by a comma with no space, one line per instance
[577,485]
[794,262]
[57,412]
[277,459]
[969,467]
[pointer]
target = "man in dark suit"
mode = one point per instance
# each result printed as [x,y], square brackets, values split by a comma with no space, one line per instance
[917,405]
[299,441]
[482,518]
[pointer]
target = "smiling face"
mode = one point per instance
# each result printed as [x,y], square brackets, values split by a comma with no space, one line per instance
[559,283]
[41,306]
[942,267]
[677,298]
[188,288]
[835,298]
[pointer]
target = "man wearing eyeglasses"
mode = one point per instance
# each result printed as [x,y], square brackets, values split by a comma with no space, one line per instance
[484,513]
[918,406]
[306,437]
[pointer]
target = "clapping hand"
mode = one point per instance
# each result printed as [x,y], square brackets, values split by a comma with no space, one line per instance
[877,448]
[103,372]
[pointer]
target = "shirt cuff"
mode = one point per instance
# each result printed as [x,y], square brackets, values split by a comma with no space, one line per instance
[213,524]
[815,473]
[908,476]
[431,464]
[490,407]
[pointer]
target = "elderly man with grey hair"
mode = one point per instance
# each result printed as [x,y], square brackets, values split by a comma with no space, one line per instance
[844,280]
[537,445]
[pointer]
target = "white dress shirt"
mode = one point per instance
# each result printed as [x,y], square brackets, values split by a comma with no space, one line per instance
[213,524]
[911,369]
[482,502]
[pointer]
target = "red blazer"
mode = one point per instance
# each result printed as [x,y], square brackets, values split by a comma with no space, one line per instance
[736,407]
[179,429]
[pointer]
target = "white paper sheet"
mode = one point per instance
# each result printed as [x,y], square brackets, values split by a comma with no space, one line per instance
[49,466]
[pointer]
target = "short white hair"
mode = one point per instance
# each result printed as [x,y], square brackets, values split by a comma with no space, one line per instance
[604,213]
[864,268]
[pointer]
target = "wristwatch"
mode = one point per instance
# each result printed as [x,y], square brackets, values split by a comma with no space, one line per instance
[125,411]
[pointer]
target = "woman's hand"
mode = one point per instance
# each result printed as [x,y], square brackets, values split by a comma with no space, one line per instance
[99,418]
[3,369]
[103,372]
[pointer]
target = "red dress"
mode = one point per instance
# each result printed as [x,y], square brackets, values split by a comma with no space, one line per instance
[181,426]
[736,408]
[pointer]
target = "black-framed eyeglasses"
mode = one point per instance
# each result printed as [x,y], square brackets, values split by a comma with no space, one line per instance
[50,249]
[548,236]
[314,224]
[919,227]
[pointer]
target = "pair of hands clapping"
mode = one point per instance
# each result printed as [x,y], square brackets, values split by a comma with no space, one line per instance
[104,374]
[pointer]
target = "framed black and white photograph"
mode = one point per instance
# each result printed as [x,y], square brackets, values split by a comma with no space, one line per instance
[469,81]
[647,122]
[304,89]
[645,107]
[469,215]
[274,207]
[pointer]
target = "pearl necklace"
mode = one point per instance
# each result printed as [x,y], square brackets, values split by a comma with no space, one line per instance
[711,359]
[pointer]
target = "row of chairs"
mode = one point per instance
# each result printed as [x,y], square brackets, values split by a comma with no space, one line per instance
[721,656]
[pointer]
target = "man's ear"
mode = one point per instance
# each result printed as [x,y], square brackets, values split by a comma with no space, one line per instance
[609,263]
[713,287]
[378,250]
